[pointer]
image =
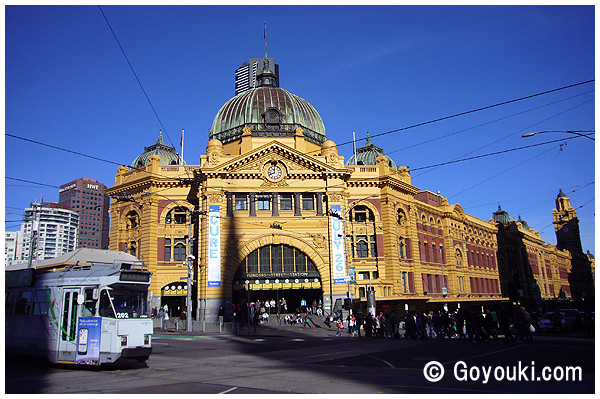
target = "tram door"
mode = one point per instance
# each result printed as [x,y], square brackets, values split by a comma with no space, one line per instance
[68,326]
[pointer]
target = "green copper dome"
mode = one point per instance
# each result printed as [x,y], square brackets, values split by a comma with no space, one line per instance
[168,155]
[501,216]
[268,111]
[367,155]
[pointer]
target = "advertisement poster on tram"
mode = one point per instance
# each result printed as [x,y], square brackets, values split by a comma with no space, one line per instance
[88,340]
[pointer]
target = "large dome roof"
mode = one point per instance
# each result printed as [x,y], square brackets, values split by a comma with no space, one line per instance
[168,155]
[268,111]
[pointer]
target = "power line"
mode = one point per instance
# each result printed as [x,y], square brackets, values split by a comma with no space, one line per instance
[471,111]
[488,123]
[498,174]
[32,182]
[491,153]
[62,149]
[135,74]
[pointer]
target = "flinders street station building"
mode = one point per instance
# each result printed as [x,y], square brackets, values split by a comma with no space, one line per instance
[273,211]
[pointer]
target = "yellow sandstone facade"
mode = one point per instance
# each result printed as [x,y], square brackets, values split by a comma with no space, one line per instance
[273,211]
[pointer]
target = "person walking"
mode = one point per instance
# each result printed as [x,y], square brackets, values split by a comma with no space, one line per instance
[340,327]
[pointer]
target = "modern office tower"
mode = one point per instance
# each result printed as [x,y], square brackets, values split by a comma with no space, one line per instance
[88,197]
[246,74]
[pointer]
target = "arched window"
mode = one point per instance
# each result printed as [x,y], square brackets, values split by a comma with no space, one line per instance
[458,256]
[362,247]
[179,252]
[401,217]
[132,220]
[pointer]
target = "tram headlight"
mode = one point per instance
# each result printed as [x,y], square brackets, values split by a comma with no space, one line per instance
[147,339]
[123,340]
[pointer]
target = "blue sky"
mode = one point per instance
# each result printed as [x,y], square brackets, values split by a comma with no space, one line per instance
[366,69]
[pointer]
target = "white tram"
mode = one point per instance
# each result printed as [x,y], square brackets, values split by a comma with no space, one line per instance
[83,314]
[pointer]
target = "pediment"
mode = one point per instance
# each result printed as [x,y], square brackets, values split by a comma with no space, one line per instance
[294,161]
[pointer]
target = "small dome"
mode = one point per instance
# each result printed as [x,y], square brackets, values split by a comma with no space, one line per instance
[501,216]
[367,155]
[168,155]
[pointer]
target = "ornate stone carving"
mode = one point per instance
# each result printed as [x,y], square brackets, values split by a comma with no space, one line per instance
[335,197]
[272,184]
[215,198]
[319,240]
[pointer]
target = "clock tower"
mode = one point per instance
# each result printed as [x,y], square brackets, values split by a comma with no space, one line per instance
[566,226]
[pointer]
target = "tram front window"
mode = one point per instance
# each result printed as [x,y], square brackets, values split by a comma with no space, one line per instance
[123,304]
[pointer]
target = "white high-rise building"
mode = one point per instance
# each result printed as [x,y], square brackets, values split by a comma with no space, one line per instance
[48,230]
[11,242]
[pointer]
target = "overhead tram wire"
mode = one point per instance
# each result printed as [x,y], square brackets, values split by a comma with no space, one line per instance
[85,155]
[487,123]
[519,131]
[498,174]
[577,188]
[467,112]
[135,74]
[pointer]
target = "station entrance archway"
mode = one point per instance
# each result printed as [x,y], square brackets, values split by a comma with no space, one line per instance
[276,272]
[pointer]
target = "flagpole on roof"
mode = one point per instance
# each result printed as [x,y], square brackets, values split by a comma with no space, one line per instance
[354,144]
[181,143]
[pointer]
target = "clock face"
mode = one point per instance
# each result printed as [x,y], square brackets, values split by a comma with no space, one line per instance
[274,172]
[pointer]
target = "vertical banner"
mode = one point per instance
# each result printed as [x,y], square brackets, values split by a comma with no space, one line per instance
[337,245]
[88,341]
[214,246]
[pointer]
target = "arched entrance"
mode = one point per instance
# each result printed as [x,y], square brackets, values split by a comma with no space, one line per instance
[174,295]
[278,272]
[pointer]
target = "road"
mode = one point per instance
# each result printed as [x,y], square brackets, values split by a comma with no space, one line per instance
[290,359]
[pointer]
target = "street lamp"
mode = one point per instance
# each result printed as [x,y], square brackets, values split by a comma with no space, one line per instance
[575,132]
[189,263]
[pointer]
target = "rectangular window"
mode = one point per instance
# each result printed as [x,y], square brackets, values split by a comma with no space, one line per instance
[285,202]
[405,281]
[265,259]
[241,202]
[253,262]
[425,252]
[263,202]
[10,302]
[373,246]
[167,249]
[288,259]
[308,202]
[23,303]
[276,259]
[300,262]
[41,302]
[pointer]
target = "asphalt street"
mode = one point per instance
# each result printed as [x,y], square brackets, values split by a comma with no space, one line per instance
[292,359]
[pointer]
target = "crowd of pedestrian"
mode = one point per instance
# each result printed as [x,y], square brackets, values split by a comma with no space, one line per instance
[512,323]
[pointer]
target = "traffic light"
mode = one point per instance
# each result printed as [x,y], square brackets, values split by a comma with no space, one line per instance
[347,304]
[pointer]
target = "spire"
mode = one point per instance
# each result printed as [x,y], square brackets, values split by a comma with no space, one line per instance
[265,40]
